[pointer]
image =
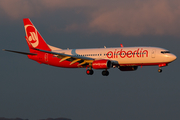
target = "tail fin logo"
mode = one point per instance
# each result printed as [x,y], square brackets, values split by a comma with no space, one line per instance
[32,35]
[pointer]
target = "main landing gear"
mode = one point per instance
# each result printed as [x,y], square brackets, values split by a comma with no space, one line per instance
[105,73]
[90,72]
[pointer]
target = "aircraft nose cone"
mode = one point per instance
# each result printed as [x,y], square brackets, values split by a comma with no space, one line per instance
[173,57]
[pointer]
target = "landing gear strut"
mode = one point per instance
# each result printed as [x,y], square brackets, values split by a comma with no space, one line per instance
[159,70]
[89,72]
[105,73]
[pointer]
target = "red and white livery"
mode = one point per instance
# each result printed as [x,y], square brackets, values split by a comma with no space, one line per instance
[123,58]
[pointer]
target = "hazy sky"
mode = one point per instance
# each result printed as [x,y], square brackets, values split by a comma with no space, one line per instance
[34,91]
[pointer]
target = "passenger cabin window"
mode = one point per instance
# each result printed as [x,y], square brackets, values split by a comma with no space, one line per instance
[165,52]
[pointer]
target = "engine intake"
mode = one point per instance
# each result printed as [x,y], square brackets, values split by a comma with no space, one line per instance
[101,64]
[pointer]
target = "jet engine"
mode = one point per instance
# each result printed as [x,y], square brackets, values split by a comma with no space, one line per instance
[101,64]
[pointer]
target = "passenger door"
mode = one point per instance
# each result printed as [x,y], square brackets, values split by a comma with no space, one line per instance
[153,53]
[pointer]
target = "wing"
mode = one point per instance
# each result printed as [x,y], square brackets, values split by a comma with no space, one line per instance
[83,61]
[25,53]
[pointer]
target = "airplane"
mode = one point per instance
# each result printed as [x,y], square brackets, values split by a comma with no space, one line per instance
[123,58]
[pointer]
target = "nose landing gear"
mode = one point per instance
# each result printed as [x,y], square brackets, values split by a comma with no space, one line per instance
[159,70]
[161,65]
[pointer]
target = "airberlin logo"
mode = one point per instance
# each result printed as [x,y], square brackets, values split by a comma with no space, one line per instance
[32,35]
[129,54]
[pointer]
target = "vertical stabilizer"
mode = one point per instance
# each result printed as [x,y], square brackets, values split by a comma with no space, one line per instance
[33,37]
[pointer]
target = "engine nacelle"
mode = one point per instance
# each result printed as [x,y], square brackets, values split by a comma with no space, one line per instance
[128,68]
[101,64]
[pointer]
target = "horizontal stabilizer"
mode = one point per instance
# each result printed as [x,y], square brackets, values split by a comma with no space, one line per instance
[25,53]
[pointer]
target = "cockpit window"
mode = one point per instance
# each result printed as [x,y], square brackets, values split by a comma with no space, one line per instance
[165,52]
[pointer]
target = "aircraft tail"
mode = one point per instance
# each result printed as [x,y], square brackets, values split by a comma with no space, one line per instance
[33,37]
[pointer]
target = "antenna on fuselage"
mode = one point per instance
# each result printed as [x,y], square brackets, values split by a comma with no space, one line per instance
[121,45]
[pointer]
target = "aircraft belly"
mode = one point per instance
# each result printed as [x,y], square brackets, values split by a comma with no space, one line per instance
[137,60]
